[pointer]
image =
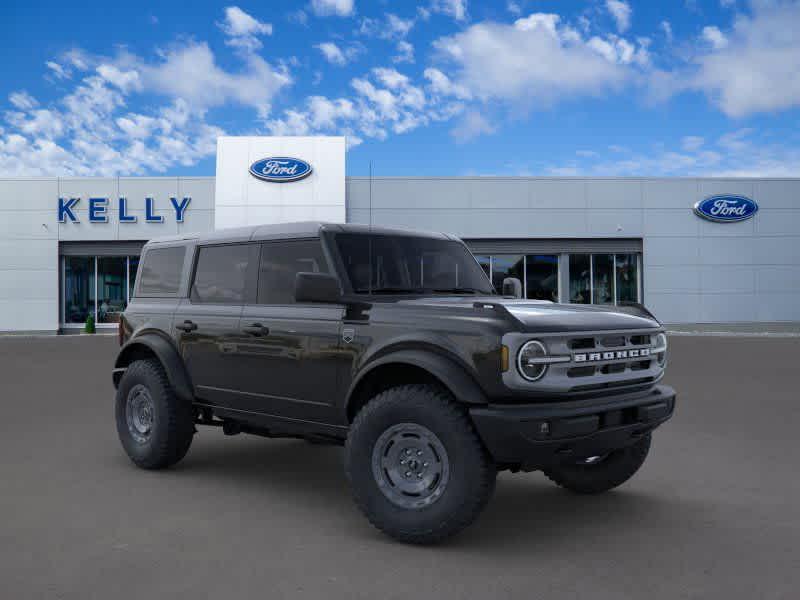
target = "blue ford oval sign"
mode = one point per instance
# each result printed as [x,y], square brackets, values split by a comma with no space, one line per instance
[726,209]
[280,169]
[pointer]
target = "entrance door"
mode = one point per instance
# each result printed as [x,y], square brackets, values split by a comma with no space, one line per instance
[289,361]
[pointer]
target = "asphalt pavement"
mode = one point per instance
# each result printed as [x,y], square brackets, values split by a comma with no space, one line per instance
[714,513]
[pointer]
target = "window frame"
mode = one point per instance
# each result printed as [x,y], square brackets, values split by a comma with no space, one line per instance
[325,257]
[247,290]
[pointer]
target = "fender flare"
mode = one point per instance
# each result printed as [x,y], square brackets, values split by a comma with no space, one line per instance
[166,353]
[452,375]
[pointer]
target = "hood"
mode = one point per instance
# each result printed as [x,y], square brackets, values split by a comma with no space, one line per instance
[548,317]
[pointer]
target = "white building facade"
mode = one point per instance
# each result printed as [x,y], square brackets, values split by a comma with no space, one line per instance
[69,247]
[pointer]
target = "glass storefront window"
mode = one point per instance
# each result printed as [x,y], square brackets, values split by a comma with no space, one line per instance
[109,278]
[79,288]
[486,264]
[580,283]
[627,279]
[591,278]
[602,278]
[541,277]
[507,266]
[112,295]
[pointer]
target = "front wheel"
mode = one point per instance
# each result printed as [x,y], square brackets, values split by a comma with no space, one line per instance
[596,474]
[154,426]
[416,466]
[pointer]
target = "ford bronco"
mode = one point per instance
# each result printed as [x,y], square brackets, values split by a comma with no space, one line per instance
[395,345]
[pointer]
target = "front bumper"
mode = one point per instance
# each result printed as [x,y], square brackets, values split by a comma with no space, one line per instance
[535,436]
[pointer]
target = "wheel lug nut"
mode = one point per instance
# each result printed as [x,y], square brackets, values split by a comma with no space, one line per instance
[419,475]
[419,452]
[402,462]
[424,464]
[408,473]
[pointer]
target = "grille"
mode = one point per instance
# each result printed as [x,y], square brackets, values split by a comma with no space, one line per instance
[601,362]
[609,348]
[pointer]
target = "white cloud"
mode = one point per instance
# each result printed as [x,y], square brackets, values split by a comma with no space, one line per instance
[666,27]
[715,37]
[332,53]
[336,55]
[298,16]
[339,8]
[37,123]
[397,26]
[514,8]
[758,70]
[391,27]
[59,71]
[735,154]
[385,101]
[727,3]
[619,50]
[621,11]
[190,72]
[471,125]
[453,8]
[537,60]
[243,29]
[127,80]
[91,131]
[405,53]
[441,84]
[22,100]
[692,143]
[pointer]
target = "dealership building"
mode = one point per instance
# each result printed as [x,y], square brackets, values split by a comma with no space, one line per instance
[693,250]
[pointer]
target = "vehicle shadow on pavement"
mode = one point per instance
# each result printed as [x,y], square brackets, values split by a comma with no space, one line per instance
[527,512]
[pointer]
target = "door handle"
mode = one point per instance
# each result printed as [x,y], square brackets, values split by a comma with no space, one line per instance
[256,329]
[186,326]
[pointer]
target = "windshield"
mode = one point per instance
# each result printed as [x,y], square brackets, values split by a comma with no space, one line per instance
[412,265]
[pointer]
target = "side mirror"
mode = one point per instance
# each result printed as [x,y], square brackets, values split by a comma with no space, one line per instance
[512,287]
[317,287]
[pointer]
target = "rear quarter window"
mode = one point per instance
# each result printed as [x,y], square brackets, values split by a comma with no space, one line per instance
[160,271]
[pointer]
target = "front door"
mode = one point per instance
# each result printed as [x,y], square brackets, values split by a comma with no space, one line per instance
[290,358]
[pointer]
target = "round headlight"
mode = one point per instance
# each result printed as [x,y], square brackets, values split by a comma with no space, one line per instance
[660,348]
[528,360]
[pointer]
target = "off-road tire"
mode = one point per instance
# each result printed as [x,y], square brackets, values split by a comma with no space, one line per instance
[172,418]
[612,471]
[472,472]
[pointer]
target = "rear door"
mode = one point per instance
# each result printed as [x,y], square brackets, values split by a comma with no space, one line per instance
[207,322]
[289,361]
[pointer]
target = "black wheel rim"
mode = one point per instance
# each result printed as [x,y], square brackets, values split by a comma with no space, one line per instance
[410,465]
[139,413]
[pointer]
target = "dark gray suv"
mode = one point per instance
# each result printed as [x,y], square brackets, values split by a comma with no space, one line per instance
[394,344]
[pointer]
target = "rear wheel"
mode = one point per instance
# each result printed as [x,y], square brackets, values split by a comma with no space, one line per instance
[154,426]
[416,466]
[596,474]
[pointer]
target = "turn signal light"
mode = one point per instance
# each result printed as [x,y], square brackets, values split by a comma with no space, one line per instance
[503,358]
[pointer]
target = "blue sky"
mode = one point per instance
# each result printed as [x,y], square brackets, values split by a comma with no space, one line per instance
[436,87]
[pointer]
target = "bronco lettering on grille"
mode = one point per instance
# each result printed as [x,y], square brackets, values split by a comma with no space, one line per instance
[615,355]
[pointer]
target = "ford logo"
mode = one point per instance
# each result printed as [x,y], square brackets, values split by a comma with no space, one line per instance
[280,169]
[726,209]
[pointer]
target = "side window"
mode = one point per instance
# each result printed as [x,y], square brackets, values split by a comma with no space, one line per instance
[161,271]
[281,262]
[220,274]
